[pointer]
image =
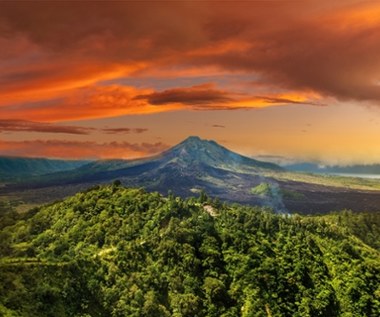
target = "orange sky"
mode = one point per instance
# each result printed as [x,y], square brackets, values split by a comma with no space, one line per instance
[123,79]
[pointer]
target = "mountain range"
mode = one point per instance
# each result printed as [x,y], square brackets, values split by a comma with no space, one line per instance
[197,165]
[359,169]
[17,168]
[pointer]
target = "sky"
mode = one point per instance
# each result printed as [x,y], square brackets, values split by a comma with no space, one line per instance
[125,79]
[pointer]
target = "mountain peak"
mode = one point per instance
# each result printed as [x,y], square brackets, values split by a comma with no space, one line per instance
[196,144]
[193,140]
[194,150]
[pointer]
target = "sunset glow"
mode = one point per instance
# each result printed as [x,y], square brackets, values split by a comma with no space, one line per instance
[129,79]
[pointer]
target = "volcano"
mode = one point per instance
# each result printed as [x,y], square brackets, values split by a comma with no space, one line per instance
[194,152]
[191,166]
[196,165]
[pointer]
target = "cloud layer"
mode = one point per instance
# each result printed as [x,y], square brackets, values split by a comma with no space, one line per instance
[193,96]
[57,55]
[64,62]
[79,149]
[32,126]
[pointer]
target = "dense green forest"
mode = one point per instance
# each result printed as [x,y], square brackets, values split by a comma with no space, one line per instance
[113,251]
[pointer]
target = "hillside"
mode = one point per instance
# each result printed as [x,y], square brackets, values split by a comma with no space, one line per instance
[113,251]
[17,168]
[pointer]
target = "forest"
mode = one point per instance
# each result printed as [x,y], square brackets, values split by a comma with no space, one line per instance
[116,251]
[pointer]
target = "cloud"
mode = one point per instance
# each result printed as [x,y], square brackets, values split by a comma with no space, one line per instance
[282,100]
[30,126]
[43,127]
[100,30]
[93,102]
[208,97]
[89,102]
[196,95]
[62,52]
[124,130]
[80,150]
[218,126]
[313,53]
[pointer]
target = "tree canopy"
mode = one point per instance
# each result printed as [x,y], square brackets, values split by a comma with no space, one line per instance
[115,251]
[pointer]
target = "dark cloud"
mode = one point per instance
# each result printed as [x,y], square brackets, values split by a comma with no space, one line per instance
[142,29]
[11,78]
[218,126]
[332,53]
[42,127]
[53,49]
[30,126]
[285,101]
[124,130]
[78,149]
[196,95]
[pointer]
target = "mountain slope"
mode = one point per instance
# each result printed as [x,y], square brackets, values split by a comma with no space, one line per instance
[113,251]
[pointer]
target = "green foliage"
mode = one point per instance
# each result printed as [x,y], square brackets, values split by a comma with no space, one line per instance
[263,189]
[365,226]
[112,251]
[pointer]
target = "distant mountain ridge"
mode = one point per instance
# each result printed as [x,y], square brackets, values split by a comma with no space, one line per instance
[309,167]
[12,168]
